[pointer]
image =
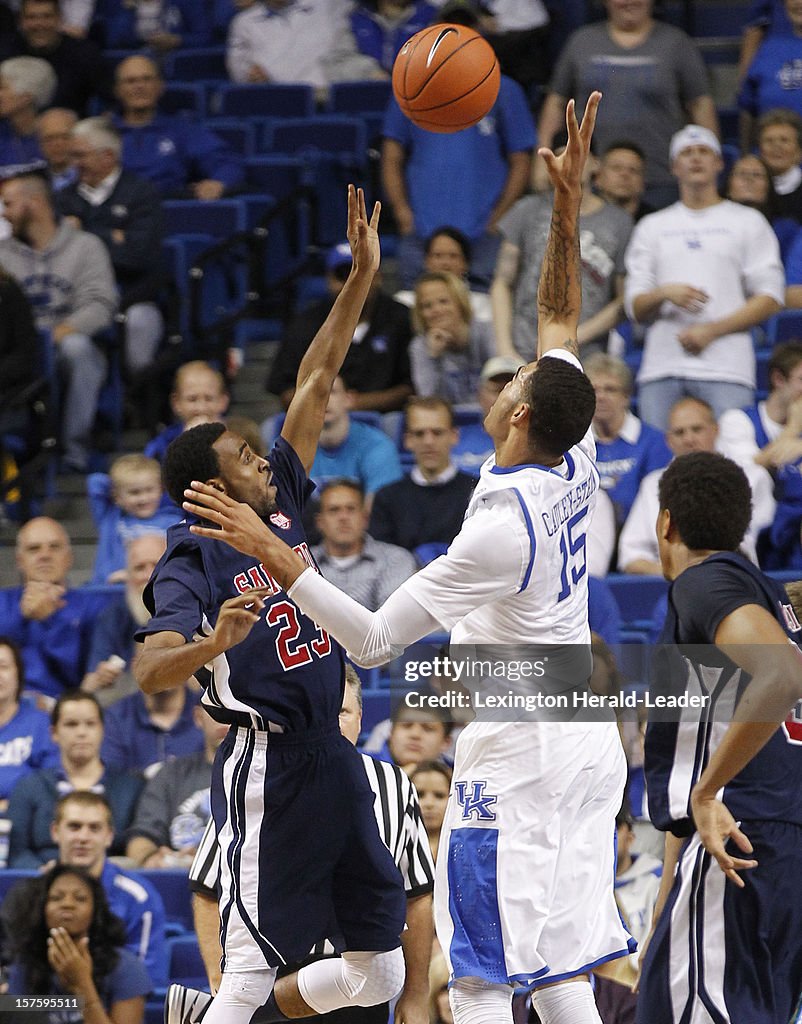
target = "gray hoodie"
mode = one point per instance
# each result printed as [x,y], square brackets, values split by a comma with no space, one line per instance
[72,279]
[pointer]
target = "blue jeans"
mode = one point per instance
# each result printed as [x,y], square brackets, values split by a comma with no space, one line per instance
[656,398]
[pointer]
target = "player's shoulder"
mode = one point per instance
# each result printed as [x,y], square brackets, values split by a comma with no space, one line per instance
[180,540]
[284,459]
[720,574]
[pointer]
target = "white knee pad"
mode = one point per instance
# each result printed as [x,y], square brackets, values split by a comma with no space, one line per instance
[476,1001]
[354,979]
[382,973]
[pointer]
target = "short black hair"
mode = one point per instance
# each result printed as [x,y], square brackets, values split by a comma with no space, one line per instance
[627,144]
[562,403]
[709,499]
[455,235]
[191,457]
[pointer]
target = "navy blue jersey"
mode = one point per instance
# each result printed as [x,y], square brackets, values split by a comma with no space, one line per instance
[287,670]
[678,750]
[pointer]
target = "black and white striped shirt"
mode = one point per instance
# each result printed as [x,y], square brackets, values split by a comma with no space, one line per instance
[400,824]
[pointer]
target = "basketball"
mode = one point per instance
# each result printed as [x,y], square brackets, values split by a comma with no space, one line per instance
[445,78]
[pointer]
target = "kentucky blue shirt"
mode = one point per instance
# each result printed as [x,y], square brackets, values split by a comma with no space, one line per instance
[137,904]
[287,670]
[25,746]
[624,462]
[457,178]
[676,752]
[55,650]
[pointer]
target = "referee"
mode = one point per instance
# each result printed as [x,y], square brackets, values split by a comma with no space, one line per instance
[401,827]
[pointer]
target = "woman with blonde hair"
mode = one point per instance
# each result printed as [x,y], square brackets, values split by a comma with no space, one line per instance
[450,346]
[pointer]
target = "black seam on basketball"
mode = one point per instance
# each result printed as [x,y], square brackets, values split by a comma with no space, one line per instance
[440,65]
[448,103]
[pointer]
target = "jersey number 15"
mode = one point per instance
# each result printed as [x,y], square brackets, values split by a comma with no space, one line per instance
[572,547]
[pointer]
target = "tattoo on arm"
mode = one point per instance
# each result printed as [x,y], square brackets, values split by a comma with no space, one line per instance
[559,293]
[572,345]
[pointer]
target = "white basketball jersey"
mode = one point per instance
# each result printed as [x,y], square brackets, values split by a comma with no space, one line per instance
[553,507]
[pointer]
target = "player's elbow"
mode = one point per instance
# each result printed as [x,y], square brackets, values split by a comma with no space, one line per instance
[148,673]
[785,676]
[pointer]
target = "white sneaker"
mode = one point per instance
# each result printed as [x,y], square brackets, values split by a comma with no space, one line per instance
[185,1005]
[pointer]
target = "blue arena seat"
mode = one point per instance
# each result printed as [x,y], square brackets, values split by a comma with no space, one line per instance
[196,65]
[369,97]
[238,133]
[9,878]
[217,219]
[341,137]
[784,326]
[271,99]
[183,98]
[633,653]
[334,151]
[762,357]
[173,887]
[375,708]
[186,963]
[636,596]
[278,174]
[728,120]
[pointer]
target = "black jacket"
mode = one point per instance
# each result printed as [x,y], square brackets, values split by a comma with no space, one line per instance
[19,345]
[380,360]
[133,207]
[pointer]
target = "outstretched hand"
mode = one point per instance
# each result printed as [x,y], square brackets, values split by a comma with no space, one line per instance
[715,826]
[565,170]
[238,525]
[363,234]
[235,522]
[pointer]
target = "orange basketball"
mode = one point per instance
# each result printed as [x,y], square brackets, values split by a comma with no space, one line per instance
[446,77]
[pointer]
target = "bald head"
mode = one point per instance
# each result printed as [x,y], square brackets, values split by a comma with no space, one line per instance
[43,551]
[137,66]
[142,554]
[692,427]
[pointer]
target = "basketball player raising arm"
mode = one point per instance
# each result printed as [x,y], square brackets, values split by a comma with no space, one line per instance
[513,575]
[167,660]
[374,638]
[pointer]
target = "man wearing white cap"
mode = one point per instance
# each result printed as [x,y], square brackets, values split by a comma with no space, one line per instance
[700,274]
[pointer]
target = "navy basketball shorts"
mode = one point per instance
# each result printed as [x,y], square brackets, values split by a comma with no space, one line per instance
[724,955]
[302,859]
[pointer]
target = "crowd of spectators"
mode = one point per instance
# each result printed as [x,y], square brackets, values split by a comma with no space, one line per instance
[690,245]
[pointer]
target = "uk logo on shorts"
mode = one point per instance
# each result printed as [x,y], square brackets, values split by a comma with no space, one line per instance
[475,803]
